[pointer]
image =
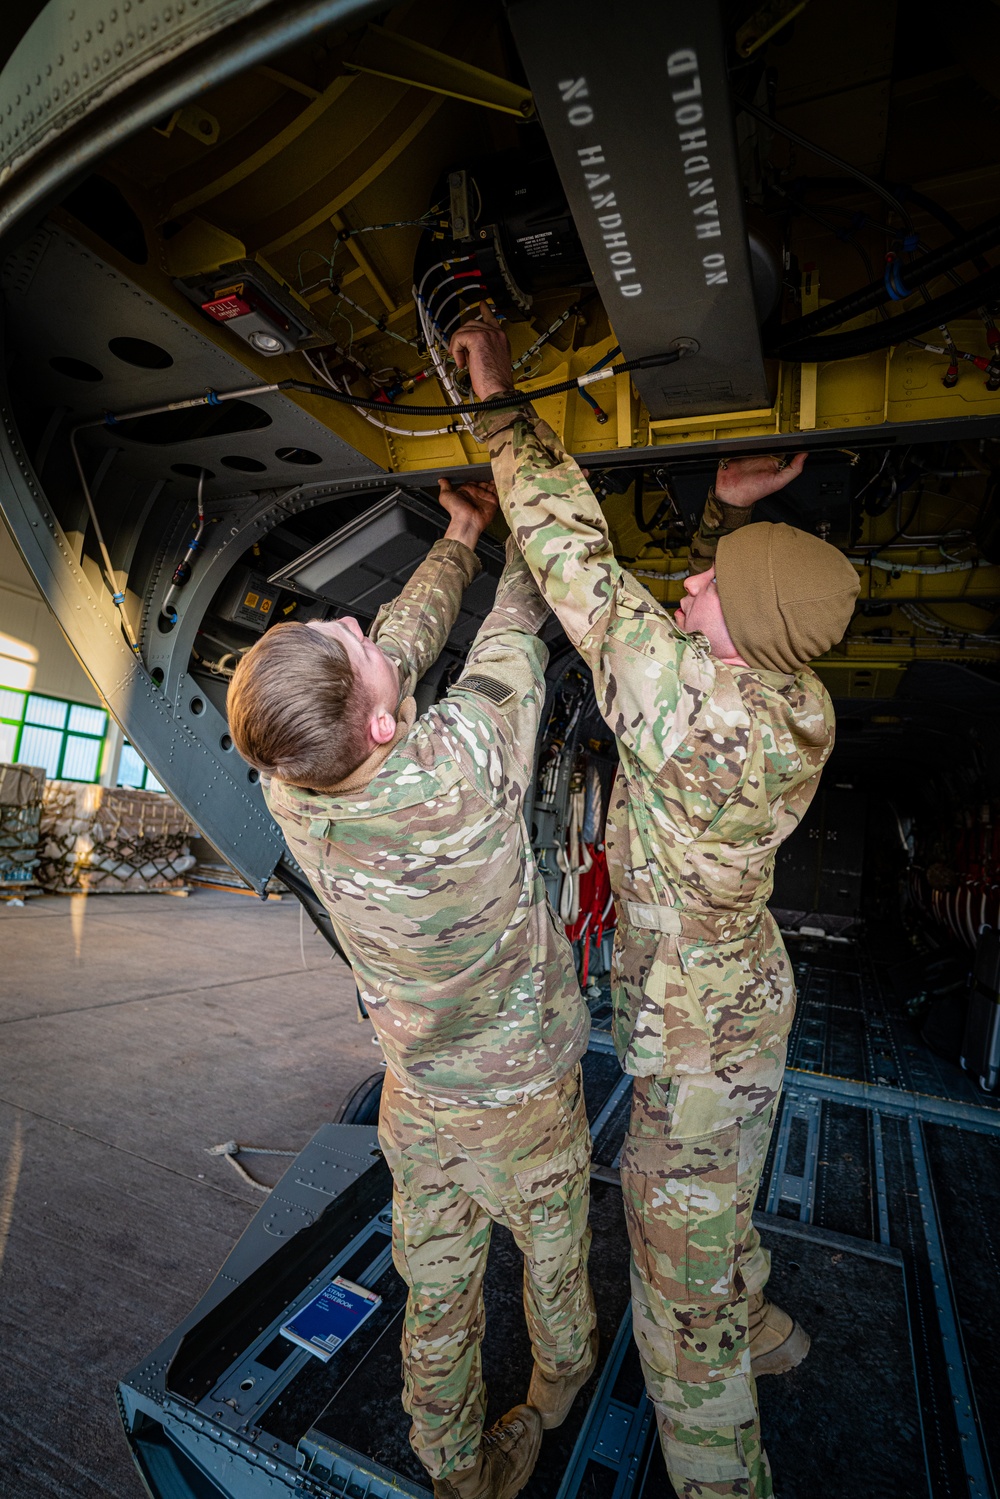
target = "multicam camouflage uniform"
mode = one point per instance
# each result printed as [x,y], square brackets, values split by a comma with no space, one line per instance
[423,860]
[718,765]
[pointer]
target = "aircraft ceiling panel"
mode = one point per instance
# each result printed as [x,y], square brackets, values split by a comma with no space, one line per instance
[71,312]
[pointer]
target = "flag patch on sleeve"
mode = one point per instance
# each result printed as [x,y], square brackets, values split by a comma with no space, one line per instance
[497,692]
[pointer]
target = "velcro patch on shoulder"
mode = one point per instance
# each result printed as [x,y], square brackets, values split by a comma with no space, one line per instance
[497,692]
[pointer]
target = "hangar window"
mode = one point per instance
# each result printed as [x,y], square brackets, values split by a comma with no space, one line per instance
[134,772]
[64,738]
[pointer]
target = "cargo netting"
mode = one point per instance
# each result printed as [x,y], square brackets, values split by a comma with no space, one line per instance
[101,839]
[21,788]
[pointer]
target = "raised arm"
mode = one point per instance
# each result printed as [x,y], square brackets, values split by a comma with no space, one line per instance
[550,507]
[413,628]
[739,484]
[504,679]
[649,676]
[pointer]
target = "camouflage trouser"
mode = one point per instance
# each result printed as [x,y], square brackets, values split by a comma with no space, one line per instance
[457,1170]
[690,1171]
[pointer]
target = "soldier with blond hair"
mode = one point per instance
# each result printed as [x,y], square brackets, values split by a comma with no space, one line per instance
[412,834]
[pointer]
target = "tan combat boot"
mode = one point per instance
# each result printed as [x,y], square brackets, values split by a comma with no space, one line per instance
[552,1395]
[504,1463]
[777,1343]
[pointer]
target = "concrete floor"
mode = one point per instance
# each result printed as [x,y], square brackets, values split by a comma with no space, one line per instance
[136,1031]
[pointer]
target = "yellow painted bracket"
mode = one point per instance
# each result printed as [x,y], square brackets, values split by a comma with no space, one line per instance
[193,121]
[764,22]
[386,54]
[365,265]
[808,373]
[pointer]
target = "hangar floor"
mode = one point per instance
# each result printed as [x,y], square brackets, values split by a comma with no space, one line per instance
[141,1031]
[137,1031]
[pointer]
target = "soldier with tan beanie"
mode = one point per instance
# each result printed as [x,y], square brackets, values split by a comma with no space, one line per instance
[722,732]
[786,595]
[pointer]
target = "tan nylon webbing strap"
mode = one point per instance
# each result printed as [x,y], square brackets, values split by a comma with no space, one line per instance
[654,918]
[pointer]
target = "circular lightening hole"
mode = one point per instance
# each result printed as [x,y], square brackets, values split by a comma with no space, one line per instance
[243,465]
[297,455]
[191,470]
[141,353]
[197,706]
[226,742]
[253,775]
[76,369]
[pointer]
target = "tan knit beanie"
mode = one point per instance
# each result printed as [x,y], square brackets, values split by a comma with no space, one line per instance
[786,595]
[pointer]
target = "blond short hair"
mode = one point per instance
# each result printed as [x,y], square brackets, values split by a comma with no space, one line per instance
[296,710]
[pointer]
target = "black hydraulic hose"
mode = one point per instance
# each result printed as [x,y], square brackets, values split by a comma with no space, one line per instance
[943,258]
[498,403]
[837,161]
[895,330]
[906,194]
[944,218]
[637,505]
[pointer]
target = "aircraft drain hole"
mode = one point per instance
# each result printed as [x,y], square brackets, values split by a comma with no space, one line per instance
[253,775]
[141,353]
[197,706]
[244,465]
[76,369]
[297,455]
[226,742]
[191,470]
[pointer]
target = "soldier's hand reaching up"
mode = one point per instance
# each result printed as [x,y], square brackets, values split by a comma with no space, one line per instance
[744,481]
[482,346]
[471,507]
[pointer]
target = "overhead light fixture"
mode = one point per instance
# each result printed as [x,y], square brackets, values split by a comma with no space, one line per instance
[257,306]
[265,343]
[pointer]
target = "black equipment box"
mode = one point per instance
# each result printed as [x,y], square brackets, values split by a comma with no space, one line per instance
[981,1042]
[249,600]
[818,872]
[365,563]
[226,1408]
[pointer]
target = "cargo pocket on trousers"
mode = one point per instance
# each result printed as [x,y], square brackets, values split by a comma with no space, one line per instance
[680,1205]
[555,1198]
[722,1461]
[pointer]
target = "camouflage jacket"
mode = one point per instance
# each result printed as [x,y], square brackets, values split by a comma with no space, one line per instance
[717,766]
[427,870]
